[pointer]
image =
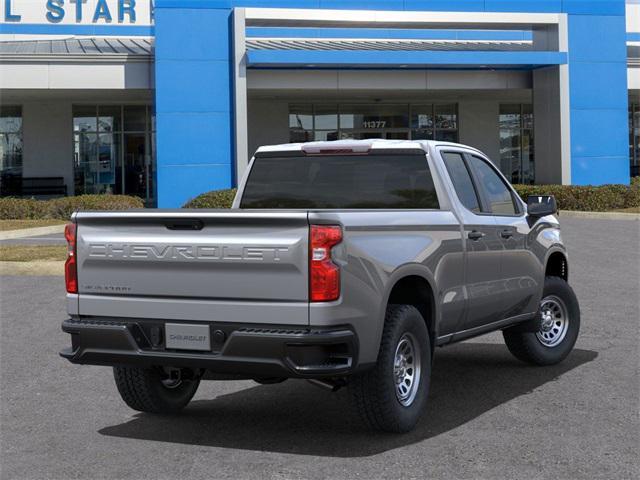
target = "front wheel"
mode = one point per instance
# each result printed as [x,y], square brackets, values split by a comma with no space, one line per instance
[391,396]
[559,324]
[152,390]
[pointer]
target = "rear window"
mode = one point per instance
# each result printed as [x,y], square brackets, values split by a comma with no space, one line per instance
[350,181]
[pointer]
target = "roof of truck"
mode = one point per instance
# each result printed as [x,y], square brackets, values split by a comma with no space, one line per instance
[356,145]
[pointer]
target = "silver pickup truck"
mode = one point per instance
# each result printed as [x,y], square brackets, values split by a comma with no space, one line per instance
[344,263]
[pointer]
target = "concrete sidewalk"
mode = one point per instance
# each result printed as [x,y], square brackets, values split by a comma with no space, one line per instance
[31,232]
[49,239]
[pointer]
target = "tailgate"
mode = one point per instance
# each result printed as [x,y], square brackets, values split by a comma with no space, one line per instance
[193,264]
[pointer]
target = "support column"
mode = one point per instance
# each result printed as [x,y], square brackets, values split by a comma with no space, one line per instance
[599,105]
[551,112]
[240,94]
[548,131]
[479,126]
[194,100]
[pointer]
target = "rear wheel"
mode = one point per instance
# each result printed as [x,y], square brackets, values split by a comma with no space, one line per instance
[153,389]
[391,396]
[559,325]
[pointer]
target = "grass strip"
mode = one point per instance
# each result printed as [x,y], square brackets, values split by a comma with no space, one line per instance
[30,253]
[21,224]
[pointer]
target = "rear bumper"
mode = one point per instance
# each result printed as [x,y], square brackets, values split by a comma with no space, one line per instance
[238,349]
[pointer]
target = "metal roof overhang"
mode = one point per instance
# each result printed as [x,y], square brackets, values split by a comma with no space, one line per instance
[78,50]
[403,59]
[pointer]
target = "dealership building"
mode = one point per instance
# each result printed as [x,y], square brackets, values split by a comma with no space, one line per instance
[167,99]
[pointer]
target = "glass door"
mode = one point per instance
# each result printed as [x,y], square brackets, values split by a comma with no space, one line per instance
[134,168]
[114,150]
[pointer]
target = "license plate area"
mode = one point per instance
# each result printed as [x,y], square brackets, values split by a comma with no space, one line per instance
[185,336]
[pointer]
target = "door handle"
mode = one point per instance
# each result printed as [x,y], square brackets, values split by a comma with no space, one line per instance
[184,224]
[475,235]
[507,233]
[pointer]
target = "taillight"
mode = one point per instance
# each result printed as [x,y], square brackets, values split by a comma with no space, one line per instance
[71,266]
[324,275]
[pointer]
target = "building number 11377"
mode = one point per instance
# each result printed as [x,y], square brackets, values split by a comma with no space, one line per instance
[374,124]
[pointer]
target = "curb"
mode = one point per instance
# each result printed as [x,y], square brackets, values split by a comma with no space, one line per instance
[601,215]
[31,232]
[32,268]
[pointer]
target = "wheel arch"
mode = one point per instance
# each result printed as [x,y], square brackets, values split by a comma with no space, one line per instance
[557,264]
[413,285]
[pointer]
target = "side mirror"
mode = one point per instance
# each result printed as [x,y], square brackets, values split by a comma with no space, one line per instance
[541,205]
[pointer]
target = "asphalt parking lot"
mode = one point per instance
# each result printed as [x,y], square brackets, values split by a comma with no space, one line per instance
[489,416]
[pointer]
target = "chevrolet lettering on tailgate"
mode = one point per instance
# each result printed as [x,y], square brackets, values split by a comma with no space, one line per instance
[188,252]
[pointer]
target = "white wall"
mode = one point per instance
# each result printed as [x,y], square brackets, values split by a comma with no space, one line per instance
[633,78]
[90,75]
[363,80]
[48,140]
[633,17]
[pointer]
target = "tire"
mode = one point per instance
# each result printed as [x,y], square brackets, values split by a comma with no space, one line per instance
[377,397]
[558,331]
[145,390]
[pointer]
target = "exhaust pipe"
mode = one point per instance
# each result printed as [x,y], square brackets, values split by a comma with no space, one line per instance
[331,385]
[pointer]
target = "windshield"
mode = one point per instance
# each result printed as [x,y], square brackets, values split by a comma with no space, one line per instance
[341,181]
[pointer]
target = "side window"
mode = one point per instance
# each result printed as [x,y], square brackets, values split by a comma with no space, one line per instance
[497,193]
[461,180]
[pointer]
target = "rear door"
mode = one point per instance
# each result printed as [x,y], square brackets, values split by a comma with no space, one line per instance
[519,268]
[483,247]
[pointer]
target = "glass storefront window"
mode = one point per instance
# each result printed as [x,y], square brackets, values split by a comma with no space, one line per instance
[109,118]
[360,121]
[135,118]
[325,135]
[516,142]
[447,135]
[300,123]
[10,150]
[325,117]
[446,117]
[113,150]
[509,116]
[84,119]
[374,117]
[527,116]
[422,117]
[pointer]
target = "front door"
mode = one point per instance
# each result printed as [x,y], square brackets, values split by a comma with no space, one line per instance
[519,268]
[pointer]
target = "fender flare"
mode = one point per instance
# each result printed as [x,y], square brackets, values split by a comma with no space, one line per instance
[403,271]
